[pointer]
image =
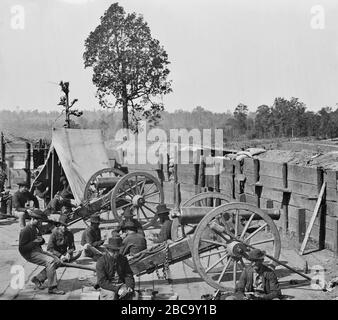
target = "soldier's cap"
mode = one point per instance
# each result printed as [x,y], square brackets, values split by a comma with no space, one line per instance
[37,214]
[129,225]
[114,243]
[95,219]
[256,255]
[63,178]
[162,209]
[23,184]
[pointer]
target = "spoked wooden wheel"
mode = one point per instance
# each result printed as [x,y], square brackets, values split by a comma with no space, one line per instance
[205,199]
[101,182]
[140,191]
[223,238]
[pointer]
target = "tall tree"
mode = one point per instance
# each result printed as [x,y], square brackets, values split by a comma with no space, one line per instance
[240,115]
[129,65]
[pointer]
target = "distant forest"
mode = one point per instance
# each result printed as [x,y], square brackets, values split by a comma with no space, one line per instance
[283,119]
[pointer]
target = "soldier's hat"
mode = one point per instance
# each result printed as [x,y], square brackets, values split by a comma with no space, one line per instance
[37,214]
[129,225]
[114,243]
[95,219]
[63,178]
[23,184]
[128,213]
[256,255]
[162,209]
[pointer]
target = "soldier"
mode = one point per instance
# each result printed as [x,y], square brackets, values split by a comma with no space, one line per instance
[30,242]
[165,234]
[258,281]
[91,239]
[61,241]
[20,198]
[128,216]
[134,242]
[114,275]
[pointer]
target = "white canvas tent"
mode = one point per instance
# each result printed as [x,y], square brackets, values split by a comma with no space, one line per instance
[77,154]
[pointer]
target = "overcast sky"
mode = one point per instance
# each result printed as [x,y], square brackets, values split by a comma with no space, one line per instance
[222,52]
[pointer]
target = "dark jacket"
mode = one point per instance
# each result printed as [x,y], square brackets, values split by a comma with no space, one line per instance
[59,243]
[269,282]
[133,243]
[91,236]
[136,222]
[20,199]
[26,245]
[107,266]
[165,233]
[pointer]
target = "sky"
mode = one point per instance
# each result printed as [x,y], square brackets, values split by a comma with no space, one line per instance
[222,52]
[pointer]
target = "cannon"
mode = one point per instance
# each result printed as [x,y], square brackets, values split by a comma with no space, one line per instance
[192,211]
[214,237]
[112,189]
[218,246]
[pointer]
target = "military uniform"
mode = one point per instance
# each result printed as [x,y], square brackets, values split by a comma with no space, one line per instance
[165,233]
[133,244]
[60,242]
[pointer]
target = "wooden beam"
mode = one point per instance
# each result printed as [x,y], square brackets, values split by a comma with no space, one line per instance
[301,224]
[313,218]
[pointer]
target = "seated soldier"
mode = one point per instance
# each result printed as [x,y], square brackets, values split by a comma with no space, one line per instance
[20,198]
[128,216]
[91,241]
[65,191]
[165,233]
[258,281]
[42,191]
[61,241]
[134,242]
[30,242]
[114,275]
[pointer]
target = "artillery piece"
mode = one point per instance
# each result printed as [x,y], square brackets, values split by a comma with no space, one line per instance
[112,189]
[211,234]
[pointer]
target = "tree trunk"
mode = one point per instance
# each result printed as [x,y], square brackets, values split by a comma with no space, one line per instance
[125,122]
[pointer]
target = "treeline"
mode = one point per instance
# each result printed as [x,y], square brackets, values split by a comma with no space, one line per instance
[283,119]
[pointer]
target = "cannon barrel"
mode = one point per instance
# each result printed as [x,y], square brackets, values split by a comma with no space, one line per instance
[193,215]
[107,182]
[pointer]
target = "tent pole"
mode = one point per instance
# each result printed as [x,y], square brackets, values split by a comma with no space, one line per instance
[52,183]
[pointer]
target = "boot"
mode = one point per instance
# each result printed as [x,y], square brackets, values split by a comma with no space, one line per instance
[37,282]
[55,291]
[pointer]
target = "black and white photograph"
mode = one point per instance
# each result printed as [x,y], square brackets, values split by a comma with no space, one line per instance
[169,150]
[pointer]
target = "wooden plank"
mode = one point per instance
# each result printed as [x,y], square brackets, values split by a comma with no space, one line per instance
[301,225]
[227,166]
[330,177]
[168,190]
[186,173]
[315,212]
[248,166]
[142,167]
[271,169]
[335,237]
[302,174]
